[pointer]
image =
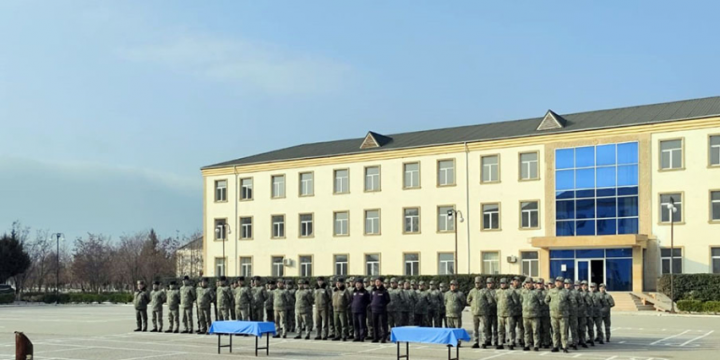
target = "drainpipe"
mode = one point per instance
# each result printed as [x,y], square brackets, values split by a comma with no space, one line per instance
[467,204]
[237,223]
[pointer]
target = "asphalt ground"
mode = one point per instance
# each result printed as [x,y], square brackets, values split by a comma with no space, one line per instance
[89,332]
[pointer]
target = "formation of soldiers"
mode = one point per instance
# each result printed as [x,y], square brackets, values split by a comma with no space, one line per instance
[530,315]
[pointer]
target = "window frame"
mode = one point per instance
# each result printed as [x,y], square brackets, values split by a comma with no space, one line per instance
[682,154]
[272,227]
[437,220]
[347,225]
[365,178]
[710,150]
[482,216]
[224,265]
[437,173]
[537,165]
[536,261]
[335,171]
[242,267]
[483,261]
[272,186]
[242,189]
[379,222]
[272,266]
[242,228]
[482,169]
[225,233]
[216,189]
[712,220]
[312,226]
[712,259]
[440,262]
[663,208]
[300,265]
[419,177]
[312,184]
[365,264]
[680,258]
[405,262]
[419,226]
[347,264]
[520,212]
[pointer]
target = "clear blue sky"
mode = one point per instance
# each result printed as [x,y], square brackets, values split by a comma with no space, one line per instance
[109,109]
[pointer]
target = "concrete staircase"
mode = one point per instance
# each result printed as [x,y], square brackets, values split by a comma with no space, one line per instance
[625,301]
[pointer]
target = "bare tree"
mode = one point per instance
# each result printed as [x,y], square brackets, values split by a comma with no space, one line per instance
[91,262]
[42,258]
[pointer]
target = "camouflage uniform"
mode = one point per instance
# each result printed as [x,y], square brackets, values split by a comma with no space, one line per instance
[303,310]
[411,301]
[224,300]
[572,314]
[517,312]
[158,298]
[187,298]
[173,301]
[370,287]
[532,305]
[340,302]
[231,309]
[421,305]
[204,299]
[559,307]
[322,301]
[480,301]
[349,288]
[396,305]
[441,309]
[600,303]
[454,304]
[291,305]
[281,299]
[545,339]
[581,314]
[258,304]
[609,303]
[243,301]
[141,300]
[269,312]
[432,317]
[590,310]
[507,301]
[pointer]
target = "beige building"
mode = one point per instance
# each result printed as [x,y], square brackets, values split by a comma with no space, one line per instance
[189,259]
[580,195]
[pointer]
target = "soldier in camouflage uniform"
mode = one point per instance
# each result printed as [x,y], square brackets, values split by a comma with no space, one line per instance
[303,309]
[609,303]
[507,300]
[203,301]
[394,308]
[259,296]
[532,304]
[411,298]
[441,310]
[432,316]
[243,300]
[291,305]
[232,285]
[157,299]
[558,300]
[173,301]
[141,300]
[517,312]
[581,314]
[370,287]
[187,299]
[349,289]
[600,303]
[454,304]
[572,314]
[590,308]
[544,339]
[421,305]
[269,310]
[490,284]
[480,301]
[281,298]
[322,300]
[340,302]
[224,299]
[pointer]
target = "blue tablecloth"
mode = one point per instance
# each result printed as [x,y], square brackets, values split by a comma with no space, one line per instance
[255,328]
[428,335]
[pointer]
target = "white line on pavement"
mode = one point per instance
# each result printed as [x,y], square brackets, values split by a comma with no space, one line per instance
[697,338]
[670,337]
[154,356]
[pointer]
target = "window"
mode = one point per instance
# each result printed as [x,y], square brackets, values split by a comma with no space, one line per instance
[529,166]
[305,266]
[665,201]
[491,263]
[676,260]
[715,150]
[341,264]
[530,263]
[372,264]
[246,266]
[342,181]
[411,175]
[446,173]
[372,178]
[341,223]
[278,226]
[412,264]
[278,186]
[671,154]
[221,229]
[246,227]
[411,218]
[490,168]
[491,217]
[306,184]
[715,258]
[372,222]
[529,214]
[221,190]
[446,264]
[306,225]
[219,266]
[597,190]
[715,206]
[278,269]
[445,220]
[246,189]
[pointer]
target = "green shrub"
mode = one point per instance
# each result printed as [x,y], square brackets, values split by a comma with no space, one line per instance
[7,298]
[79,298]
[711,306]
[690,305]
[701,287]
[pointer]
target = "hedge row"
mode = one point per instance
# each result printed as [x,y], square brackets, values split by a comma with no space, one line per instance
[699,306]
[701,287]
[7,298]
[79,298]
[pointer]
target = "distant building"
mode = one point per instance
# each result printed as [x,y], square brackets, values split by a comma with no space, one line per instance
[189,258]
[582,195]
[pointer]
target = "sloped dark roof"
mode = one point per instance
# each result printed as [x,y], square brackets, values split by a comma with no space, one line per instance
[193,244]
[600,119]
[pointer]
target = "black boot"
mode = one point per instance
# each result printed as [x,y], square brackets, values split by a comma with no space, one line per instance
[555,350]
[136,330]
[592,343]
[336,339]
[177,331]
[583,345]
[276,336]
[153,330]
[307,337]
[565,350]
[536,349]
[318,337]
[607,339]
[526,349]
[499,347]
[511,347]
[574,347]
[168,331]
[298,337]
[476,346]
[600,341]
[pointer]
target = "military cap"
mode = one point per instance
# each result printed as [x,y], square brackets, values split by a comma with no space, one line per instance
[602,285]
[560,279]
[223,278]
[366,280]
[320,278]
[393,280]
[432,282]
[584,282]
[340,280]
[478,279]
[453,282]
[358,280]
[141,282]
[206,279]
[380,278]
[288,282]
[442,284]
[502,281]
[156,282]
[412,282]
[421,283]
[490,281]
[516,278]
[577,282]
[350,279]
[242,278]
[186,277]
[540,281]
[568,281]
[592,284]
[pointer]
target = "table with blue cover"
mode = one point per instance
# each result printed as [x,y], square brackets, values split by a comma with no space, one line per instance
[428,335]
[255,328]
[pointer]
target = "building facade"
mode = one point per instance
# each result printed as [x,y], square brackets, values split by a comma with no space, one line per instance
[581,195]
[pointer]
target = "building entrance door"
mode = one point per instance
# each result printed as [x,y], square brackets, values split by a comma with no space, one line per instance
[590,270]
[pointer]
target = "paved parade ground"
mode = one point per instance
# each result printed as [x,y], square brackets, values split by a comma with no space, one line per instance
[84,332]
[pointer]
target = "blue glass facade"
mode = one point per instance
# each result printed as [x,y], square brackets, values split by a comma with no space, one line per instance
[597,190]
[615,266]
